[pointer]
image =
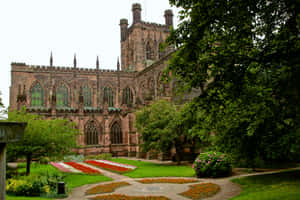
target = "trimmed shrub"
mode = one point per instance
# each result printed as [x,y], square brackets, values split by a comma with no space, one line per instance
[212,164]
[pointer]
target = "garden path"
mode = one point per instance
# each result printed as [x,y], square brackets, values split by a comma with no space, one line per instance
[228,189]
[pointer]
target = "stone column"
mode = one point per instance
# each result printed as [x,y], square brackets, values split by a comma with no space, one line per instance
[2,170]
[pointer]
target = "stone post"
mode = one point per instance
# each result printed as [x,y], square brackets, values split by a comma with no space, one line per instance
[2,170]
[9,132]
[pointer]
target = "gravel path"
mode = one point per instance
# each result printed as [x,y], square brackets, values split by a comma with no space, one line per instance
[228,189]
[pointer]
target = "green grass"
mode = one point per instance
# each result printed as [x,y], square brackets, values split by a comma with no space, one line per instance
[72,180]
[8,197]
[279,186]
[76,180]
[148,169]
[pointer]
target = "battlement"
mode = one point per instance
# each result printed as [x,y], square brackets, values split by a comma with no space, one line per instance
[42,68]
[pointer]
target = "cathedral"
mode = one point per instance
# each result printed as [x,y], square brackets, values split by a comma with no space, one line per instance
[101,102]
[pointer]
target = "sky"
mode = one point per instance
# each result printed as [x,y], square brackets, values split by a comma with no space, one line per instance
[31,29]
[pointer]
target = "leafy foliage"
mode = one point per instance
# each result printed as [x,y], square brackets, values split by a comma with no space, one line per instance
[163,125]
[212,164]
[244,56]
[34,185]
[42,137]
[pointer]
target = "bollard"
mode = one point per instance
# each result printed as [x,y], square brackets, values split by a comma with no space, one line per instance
[61,189]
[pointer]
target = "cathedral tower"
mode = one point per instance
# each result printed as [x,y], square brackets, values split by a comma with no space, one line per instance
[140,43]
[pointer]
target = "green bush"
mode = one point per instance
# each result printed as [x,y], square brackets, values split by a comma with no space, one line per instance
[34,185]
[75,158]
[44,160]
[212,164]
[26,187]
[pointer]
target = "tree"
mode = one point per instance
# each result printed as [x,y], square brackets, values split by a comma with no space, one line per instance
[162,127]
[244,56]
[2,109]
[42,137]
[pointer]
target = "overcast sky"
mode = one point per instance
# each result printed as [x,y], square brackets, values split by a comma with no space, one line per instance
[31,29]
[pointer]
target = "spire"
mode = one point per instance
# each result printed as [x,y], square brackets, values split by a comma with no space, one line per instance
[118,65]
[97,63]
[75,61]
[51,60]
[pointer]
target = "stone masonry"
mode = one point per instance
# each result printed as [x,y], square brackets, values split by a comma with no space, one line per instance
[106,119]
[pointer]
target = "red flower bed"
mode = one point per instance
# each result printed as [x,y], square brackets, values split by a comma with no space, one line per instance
[167,180]
[106,188]
[125,197]
[83,168]
[108,166]
[201,191]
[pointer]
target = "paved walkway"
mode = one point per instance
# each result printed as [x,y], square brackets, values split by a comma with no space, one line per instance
[228,189]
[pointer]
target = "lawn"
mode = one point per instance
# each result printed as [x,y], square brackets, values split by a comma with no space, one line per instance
[72,180]
[148,169]
[277,186]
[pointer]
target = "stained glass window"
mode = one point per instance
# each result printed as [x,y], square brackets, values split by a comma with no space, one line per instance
[91,133]
[62,96]
[116,134]
[87,96]
[37,95]
[127,96]
[109,96]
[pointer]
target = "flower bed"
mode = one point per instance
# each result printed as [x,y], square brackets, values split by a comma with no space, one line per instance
[106,188]
[60,167]
[84,169]
[167,180]
[200,191]
[125,197]
[113,166]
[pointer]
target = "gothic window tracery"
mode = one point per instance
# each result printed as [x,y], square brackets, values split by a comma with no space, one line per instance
[91,133]
[109,96]
[37,95]
[116,134]
[160,50]
[62,96]
[148,51]
[127,97]
[87,96]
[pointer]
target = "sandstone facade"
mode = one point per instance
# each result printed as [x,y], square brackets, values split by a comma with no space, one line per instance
[101,102]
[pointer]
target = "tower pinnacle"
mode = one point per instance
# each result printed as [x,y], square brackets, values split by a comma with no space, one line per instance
[136,11]
[51,60]
[97,63]
[75,61]
[118,65]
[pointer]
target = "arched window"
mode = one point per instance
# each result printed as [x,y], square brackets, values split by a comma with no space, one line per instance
[161,52]
[87,96]
[127,97]
[116,134]
[91,133]
[109,96]
[37,95]
[148,52]
[62,96]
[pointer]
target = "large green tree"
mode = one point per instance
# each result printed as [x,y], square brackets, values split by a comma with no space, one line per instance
[163,125]
[244,56]
[42,137]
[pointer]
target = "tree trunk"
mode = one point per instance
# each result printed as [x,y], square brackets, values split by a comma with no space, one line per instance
[28,162]
[178,154]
